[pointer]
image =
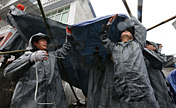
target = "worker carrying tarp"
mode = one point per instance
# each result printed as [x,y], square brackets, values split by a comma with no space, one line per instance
[100,81]
[155,62]
[39,83]
[132,88]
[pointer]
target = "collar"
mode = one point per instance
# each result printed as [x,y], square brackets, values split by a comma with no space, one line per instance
[125,43]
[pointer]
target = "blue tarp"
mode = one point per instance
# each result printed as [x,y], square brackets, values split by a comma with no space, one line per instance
[172,79]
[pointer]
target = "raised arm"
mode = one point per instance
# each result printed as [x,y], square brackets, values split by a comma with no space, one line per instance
[106,42]
[64,50]
[139,33]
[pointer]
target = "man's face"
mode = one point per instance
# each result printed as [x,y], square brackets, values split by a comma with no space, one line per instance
[150,47]
[126,34]
[41,44]
[160,46]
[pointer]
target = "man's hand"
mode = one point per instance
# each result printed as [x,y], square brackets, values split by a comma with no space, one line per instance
[38,56]
[111,20]
[105,27]
[104,30]
[69,30]
[69,33]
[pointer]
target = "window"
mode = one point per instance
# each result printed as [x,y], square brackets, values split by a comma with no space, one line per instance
[60,15]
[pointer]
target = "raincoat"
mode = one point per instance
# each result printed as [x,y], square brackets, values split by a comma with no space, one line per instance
[131,88]
[100,83]
[154,63]
[106,90]
[95,81]
[50,89]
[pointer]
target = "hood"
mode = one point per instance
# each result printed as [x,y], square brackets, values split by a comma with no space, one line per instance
[35,37]
[152,43]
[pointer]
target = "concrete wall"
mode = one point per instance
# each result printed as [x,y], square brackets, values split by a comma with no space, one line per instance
[166,71]
[72,12]
[83,11]
[57,5]
[80,10]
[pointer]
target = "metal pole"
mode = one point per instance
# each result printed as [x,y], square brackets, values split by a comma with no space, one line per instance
[140,5]
[49,31]
[162,23]
[16,51]
[127,7]
[46,24]
[23,50]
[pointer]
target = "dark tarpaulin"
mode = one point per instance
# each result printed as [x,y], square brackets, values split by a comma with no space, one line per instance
[15,42]
[86,36]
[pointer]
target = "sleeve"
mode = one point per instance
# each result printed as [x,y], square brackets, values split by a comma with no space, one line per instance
[106,42]
[139,33]
[156,59]
[16,69]
[64,50]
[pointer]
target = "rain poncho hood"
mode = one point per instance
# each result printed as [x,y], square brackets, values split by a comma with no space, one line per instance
[36,37]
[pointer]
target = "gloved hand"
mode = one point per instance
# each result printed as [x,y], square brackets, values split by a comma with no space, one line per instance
[134,21]
[69,33]
[111,20]
[105,28]
[38,56]
[69,30]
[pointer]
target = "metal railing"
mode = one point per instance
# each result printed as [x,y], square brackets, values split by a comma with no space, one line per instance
[49,2]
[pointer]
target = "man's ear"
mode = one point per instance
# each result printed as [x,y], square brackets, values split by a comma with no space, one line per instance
[146,45]
[35,43]
[154,48]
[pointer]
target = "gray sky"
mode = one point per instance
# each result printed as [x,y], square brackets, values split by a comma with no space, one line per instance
[154,12]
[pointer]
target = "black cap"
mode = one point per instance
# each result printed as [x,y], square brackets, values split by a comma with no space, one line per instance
[39,36]
[130,29]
